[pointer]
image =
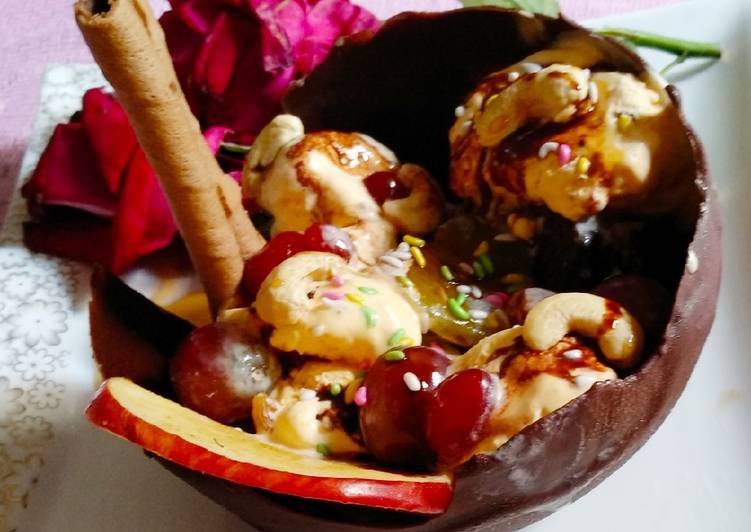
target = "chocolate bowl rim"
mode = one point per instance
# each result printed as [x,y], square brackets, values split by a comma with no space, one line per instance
[707,249]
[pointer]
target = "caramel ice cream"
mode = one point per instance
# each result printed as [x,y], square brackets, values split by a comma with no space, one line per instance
[563,137]
[304,179]
[294,415]
[532,383]
[319,305]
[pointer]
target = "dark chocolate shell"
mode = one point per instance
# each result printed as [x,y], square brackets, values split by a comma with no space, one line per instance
[401,86]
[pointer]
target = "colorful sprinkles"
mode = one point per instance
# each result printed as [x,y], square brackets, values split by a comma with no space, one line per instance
[356,299]
[476,292]
[323,449]
[478,314]
[497,299]
[412,382]
[397,337]
[594,92]
[466,268]
[487,264]
[504,237]
[367,290]
[455,307]
[530,68]
[564,154]
[395,356]
[361,396]
[391,261]
[478,270]
[547,148]
[335,389]
[515,278]
[413,241]
[371,317]
[481,249]
[402,254]
[333,295]
[583,165]
[522,228]
[405,281]
[418,256]
[624,121]
[447,273]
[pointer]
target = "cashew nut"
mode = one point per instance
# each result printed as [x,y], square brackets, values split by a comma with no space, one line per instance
[423,209]
[351,321]
[486,350]
[618,334]
[550,95]
[282,130]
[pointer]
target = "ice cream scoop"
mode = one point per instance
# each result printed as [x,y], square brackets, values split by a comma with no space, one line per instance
[322,177]
[563,137]
[350,319]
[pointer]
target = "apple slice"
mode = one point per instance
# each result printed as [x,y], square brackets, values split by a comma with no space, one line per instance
[180,435]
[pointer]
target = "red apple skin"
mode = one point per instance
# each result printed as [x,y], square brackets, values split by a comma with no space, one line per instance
[107,412]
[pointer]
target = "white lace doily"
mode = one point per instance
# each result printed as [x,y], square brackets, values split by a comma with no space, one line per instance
[43,319]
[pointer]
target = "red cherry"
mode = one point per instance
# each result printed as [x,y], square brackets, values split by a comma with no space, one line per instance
[219,368]
[392,420]
[384,186]
[279,248]
[326,238]
[457,416]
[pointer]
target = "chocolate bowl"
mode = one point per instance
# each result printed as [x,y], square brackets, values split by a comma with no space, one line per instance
[401,86]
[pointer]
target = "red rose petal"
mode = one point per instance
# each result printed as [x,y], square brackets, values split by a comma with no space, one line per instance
[84,238]
[143,222]
[226,37]
[184,44]
[277,47]
[68,175]
[237,175]
[246,116]
[198,15]
[110,134]
[214,137]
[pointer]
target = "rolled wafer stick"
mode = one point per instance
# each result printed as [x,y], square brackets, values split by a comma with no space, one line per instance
[248,238]
[129,46]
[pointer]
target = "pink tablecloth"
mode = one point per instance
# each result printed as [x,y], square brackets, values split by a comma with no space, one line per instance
[36,33]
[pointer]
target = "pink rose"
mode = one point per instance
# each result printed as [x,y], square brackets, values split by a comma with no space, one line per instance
[93,196]
[236,58]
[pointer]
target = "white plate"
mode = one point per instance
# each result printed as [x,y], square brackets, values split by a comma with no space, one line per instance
[693,475]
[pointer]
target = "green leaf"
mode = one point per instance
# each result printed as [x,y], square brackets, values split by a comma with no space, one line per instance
[667,44]
[235,148]
[543,7]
